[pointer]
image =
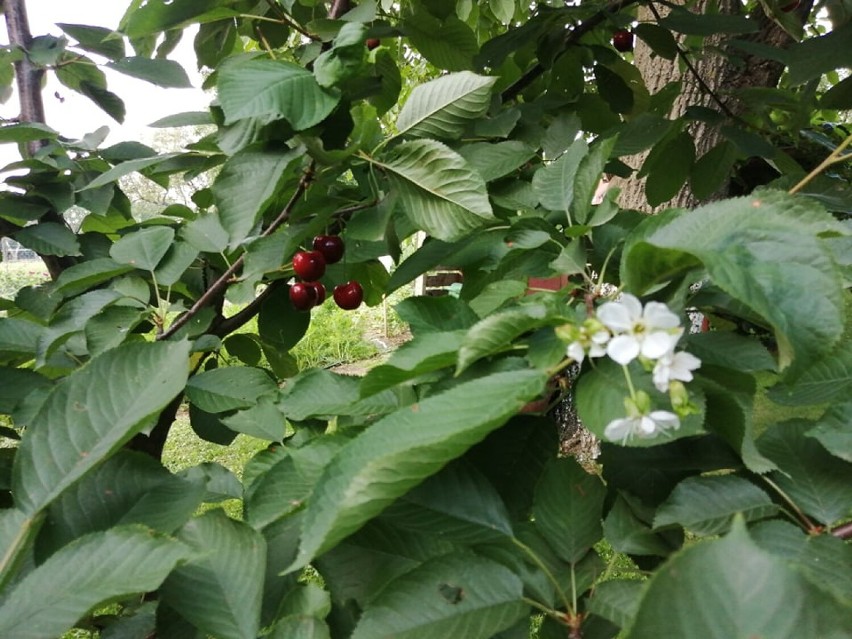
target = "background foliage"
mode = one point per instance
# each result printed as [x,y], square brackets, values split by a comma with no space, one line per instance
[427,498]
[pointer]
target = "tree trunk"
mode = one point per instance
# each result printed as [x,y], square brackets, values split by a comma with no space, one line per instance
[711,81]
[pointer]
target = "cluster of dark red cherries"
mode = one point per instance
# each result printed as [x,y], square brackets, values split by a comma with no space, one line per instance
[309,266]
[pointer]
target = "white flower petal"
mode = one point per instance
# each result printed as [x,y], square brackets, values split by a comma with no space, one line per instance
[682,365]
[623,349]
[633,305]
[658,343]
[601,337]
[575,351]
[619,429]
[658,315]
[662,375]
[647,427]
[665,419]
[616,317]
[597,350]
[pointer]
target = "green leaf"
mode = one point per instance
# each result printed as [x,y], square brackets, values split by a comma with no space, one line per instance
[128,488]
[177,260]
[679,603]
[458,504]
[219,589]
[420,355]
[833,432]
[106,100]
[81,277]
[496,332]
[187,118]
[143,249]
[345,58]
[109,400]
[588,177]
[600,400]
[554,183]
[364,563]
[441,194]
[729,350]
[435,314]
[641,133]
[49,238]
[449,44]
[300,627]
[616,600]
[667,167]
[494,161]
[626,533]
[206,233]
[283,488]
[568,508]
[401,450]
[660,39]
[224,389]
[98,40]
[812,57]
[652,473]
[764,250]
[158,71]
[94,569]
[25,132]
[319,393]
[17,384]
[18,337]
[712,170]
[684,21]
[279,325]
[263,87]
[443,107]
[730,397]
[828,379]
[458,595]
[839,96]
[247,184]
[707,505]
[125,168]
[823,559]
[159,15]
[815,480]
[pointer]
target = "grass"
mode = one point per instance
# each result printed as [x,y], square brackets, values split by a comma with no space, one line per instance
[16,275]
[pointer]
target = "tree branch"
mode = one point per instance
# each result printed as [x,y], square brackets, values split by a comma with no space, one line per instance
[27,75]
[572,38]
[222,283]
[228,325]
[843,531]
[28,78]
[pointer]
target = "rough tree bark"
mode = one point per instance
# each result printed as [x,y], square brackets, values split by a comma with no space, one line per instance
[712,81]
[28,78]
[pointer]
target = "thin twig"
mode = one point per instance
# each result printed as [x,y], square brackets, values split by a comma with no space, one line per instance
[843,531]
[701,83]
[572,38]
[220,284]
[833,158]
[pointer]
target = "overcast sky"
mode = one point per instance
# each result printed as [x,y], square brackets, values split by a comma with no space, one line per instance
[74,115]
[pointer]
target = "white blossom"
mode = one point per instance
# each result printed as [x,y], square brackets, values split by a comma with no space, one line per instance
[674,366]
[650,332]
[643,426]
[593,345]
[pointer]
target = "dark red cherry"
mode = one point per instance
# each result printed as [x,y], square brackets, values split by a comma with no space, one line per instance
[309,265]
[303,296]
[622,40]
[348,296]
[331,247]
[320,291]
